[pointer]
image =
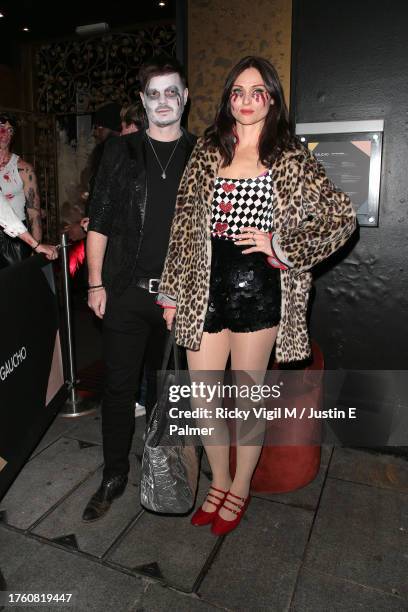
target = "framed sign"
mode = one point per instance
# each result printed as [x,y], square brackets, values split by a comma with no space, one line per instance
[351,153]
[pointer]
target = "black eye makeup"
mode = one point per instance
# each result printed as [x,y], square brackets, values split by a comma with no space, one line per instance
[153,94]
[172,92]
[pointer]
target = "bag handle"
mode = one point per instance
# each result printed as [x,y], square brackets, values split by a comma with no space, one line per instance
[171,345]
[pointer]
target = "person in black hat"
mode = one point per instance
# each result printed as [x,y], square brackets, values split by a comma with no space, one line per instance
[106,125]
[107,121]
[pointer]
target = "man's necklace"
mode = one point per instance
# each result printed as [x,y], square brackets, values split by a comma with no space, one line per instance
[163,174]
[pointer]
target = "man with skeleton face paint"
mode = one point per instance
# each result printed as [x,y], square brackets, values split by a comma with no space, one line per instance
[164,100]
[131,211]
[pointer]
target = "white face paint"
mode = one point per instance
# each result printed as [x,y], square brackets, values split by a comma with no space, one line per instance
[164,99]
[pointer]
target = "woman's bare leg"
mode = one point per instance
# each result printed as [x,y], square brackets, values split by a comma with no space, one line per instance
[250,352]
[212,355]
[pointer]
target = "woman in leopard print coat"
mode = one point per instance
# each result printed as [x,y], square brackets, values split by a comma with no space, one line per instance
[310,220]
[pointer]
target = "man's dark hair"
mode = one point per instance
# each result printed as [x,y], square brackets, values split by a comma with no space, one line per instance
[158,66]
[134,113]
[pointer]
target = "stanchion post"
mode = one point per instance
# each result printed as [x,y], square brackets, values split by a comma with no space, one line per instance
[75,405]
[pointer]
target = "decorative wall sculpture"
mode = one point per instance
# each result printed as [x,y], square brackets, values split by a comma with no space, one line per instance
[79,75]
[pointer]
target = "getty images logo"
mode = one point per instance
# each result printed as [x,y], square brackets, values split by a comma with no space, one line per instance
[12,363]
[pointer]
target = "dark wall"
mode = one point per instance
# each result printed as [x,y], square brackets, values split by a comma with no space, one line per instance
[350,63]
[9,95]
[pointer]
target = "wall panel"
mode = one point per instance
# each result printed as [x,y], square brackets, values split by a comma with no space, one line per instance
[221,33]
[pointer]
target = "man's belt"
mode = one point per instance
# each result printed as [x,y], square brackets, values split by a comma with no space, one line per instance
[150,284]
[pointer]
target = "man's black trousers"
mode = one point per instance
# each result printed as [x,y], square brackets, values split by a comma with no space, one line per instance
[134,335]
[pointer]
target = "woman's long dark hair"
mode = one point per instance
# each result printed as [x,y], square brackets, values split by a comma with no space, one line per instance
[276,133]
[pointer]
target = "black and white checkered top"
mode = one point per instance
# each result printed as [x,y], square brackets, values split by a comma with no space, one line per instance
[242,203]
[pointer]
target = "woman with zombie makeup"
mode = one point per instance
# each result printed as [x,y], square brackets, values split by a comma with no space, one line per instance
[255,211]
[18,196]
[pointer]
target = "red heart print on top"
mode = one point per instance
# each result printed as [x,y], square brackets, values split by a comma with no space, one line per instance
[225,206]
[220,228]
[228,187]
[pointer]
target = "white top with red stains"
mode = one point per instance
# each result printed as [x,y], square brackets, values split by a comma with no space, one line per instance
[12,188]
[9,221]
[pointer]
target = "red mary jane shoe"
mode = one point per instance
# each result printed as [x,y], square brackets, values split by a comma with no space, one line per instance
[201,517]
[220,526]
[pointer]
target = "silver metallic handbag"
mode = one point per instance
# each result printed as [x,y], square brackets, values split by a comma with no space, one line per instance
[170,464]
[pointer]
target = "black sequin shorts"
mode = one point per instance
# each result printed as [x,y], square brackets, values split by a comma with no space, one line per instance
[245,292]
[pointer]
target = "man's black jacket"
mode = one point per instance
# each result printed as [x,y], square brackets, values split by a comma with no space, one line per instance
[117,207]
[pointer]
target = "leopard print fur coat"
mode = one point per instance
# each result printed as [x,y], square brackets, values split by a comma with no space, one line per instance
[311,221]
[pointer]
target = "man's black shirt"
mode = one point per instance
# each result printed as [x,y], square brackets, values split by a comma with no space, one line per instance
[120,206]
[161,200]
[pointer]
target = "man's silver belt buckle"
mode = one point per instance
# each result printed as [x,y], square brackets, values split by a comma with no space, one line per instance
[154,285]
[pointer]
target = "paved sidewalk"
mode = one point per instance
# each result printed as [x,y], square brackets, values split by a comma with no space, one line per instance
[340,543]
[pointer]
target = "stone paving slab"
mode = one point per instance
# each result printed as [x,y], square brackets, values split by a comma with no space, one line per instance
[383,471]
[326,455]
[167,547]
[257,565]
[87,428]
[360,534]
[306,497]
[39,568]
[58,428]
[321,593]
[157,597]
[47,478]
[97,537]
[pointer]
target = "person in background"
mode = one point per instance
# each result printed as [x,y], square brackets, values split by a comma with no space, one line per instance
[132,118]
[14,228]
[106,125]
[19,191]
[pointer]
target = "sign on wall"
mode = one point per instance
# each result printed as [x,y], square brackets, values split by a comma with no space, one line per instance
[351,153]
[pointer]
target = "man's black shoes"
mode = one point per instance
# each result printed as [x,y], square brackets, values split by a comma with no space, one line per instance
[101,501]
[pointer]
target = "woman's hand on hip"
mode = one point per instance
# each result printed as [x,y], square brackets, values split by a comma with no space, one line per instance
[168,316]
[257,240]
